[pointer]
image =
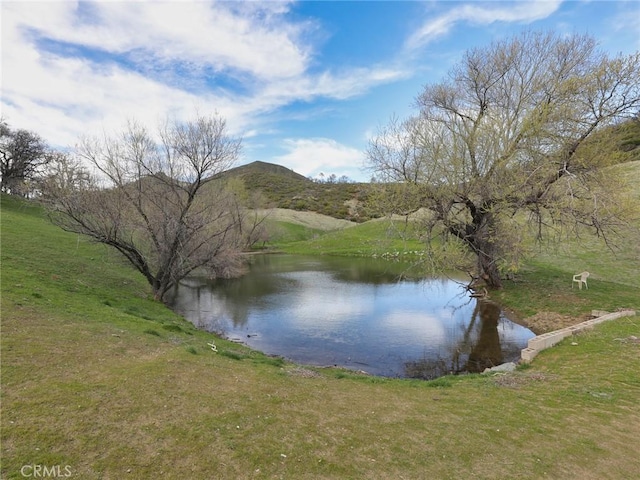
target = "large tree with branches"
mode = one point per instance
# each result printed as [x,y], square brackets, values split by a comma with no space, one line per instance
[153,199]
[504,135]
[23,155]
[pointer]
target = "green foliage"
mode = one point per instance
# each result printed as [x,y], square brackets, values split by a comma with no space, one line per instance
[278,362]
[442,382]
[234,355]
[23,156]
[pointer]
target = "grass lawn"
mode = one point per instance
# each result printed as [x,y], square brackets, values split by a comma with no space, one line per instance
[382,238]
[101,382]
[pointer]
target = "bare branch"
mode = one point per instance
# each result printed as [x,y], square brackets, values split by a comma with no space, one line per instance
[150,205]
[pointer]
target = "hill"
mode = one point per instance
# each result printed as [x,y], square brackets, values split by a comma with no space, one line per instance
[284,188]
[281,187]
[264,168]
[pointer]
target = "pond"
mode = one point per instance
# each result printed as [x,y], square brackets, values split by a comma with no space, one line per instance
[355,313]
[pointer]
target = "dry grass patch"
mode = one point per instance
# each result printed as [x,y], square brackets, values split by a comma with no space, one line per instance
[521,379]
[299,371]
[543,322]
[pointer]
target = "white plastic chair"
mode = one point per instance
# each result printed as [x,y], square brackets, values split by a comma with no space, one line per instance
[581,278]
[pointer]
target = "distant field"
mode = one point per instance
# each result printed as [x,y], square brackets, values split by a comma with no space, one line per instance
[372,238]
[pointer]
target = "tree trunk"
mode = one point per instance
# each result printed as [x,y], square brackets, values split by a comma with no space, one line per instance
[486,352]
[488,265]
[478,236]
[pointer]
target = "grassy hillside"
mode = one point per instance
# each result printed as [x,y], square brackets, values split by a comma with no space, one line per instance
[283,188]
[381,238]
[615,144]
[102,382]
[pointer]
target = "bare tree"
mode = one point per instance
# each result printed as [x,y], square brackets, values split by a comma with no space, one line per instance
[503,135]
[147,200]
[22,155]
[63,173]
[248,209]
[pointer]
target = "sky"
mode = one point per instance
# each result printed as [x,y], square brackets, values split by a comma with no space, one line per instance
[305,84]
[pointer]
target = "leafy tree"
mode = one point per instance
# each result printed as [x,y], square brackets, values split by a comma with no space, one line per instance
[147,201]
[22,155]
[500,138]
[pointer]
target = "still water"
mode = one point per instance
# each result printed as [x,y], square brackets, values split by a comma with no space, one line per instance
[354,313]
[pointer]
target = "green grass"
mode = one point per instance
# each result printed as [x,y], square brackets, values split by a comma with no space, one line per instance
[541,287]
[374,238]
[84,386]
[287,232]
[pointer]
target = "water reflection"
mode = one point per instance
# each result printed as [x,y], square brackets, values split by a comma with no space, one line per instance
[479,347]
[354,313]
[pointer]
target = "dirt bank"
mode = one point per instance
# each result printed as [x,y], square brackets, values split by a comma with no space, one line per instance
[543,322]
[308,219]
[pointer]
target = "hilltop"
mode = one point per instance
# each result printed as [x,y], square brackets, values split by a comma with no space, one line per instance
[264,168]
[281,187]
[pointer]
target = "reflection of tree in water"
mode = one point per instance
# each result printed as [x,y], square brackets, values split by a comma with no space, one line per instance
[233,298]
[472,353]
[373,271]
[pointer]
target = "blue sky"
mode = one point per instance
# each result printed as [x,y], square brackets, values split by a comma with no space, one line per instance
[306,84]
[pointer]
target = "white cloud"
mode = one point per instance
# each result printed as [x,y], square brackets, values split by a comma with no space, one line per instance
[308,88]
[312,156]
[481,14]
[71,68]
[251,40]
[338,307]
[417,325]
